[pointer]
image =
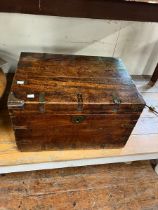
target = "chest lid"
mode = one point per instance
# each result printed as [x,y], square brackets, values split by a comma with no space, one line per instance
[73,84]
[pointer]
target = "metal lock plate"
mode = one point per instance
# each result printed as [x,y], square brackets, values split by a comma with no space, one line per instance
[78,119]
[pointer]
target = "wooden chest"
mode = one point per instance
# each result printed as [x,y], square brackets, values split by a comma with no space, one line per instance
[67,102]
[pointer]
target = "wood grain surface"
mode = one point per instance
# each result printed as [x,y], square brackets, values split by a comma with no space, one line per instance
[4,99]
[106,187]
[78,102]
[61,77]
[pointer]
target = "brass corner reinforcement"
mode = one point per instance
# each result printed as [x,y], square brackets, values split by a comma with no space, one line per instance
[14,102]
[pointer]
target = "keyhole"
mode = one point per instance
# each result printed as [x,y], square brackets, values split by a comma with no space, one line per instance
[77,120]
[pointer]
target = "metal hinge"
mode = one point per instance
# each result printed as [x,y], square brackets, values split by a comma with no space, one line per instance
[116,99]
[14,102]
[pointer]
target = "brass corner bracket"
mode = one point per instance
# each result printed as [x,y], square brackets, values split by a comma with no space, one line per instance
[14,102]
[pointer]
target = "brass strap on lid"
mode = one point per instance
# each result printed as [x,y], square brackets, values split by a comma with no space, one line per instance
[42,102]
[80,102]
[116,99]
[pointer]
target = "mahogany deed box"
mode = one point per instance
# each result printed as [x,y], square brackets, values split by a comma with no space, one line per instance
[67,102]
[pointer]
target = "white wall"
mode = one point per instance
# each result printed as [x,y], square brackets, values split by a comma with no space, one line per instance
[136,43]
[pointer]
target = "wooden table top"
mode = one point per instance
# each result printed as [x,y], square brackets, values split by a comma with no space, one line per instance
[136,10]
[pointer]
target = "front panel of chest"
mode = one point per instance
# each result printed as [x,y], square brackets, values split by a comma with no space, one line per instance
[47,131]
